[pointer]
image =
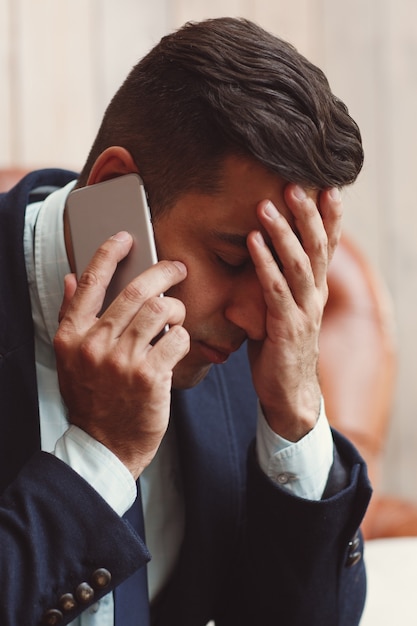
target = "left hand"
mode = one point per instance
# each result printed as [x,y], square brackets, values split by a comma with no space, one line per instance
[284,365]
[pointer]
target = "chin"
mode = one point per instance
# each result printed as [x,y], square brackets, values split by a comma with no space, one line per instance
[186,377]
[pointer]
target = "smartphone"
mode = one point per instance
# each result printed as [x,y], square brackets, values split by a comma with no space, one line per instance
[97,212]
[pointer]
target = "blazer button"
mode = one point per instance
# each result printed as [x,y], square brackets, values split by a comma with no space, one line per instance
[84,593]
[353,558]
[354,555]
[67,602]
[52,617]
[101,578]
[354,544]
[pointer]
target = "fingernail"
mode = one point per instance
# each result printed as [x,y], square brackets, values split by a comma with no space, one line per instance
[259,239]
[181,266]
[121,236]
[299,192]
[270,211]
[335,194]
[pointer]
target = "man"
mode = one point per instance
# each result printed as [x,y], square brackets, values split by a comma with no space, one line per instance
[251,507]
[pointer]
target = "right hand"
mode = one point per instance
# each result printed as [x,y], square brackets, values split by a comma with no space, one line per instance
[115,383]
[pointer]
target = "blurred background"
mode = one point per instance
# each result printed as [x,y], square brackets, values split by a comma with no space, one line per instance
[61,61]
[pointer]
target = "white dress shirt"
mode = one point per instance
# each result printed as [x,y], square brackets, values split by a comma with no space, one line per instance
[301,467]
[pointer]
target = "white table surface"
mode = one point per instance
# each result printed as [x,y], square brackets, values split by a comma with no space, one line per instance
[392,582]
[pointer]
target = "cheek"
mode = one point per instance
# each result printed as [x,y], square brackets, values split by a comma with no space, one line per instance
[202,296]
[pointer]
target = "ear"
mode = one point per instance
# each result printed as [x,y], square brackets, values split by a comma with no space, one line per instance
[114,161]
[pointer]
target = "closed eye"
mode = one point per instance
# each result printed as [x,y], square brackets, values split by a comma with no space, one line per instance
[232,266]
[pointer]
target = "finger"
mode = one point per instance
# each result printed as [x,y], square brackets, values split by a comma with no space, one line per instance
[331,209]
[285,245]
[146,287]
[273,282]
[88,298]
[171,348]
[156,314]
[310,227]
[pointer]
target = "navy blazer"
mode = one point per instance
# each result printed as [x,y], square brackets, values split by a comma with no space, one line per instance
[252,555]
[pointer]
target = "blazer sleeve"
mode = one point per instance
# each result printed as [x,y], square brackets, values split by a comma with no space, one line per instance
[58,539]
[302,560]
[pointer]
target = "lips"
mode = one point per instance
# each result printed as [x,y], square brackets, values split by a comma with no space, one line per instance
[213,354]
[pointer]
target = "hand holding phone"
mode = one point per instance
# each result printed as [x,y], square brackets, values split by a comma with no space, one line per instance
[115,384]
[115,379]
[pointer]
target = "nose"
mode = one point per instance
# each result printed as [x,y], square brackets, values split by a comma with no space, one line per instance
[246,307]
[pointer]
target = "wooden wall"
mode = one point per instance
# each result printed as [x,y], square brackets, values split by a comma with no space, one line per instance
[61,60]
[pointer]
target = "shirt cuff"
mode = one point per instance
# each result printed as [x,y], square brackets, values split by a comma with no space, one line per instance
[99,467]
[302,467]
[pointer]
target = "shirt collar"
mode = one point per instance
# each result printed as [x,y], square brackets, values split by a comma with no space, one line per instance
[50,260]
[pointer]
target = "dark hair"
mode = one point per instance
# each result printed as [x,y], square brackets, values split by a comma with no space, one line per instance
[226,86]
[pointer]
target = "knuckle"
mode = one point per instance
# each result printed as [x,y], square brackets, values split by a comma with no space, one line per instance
[145,376]
[302,267]
[137,291]
[322,247]
[333,240]
[278,287]
[309,208]
[279,291]
[101,268]
[156,306]
[64,336]
[60,342]
[89,278]
[104,252]
[88,351]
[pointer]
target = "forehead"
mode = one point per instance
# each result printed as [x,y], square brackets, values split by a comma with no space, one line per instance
[231,212]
